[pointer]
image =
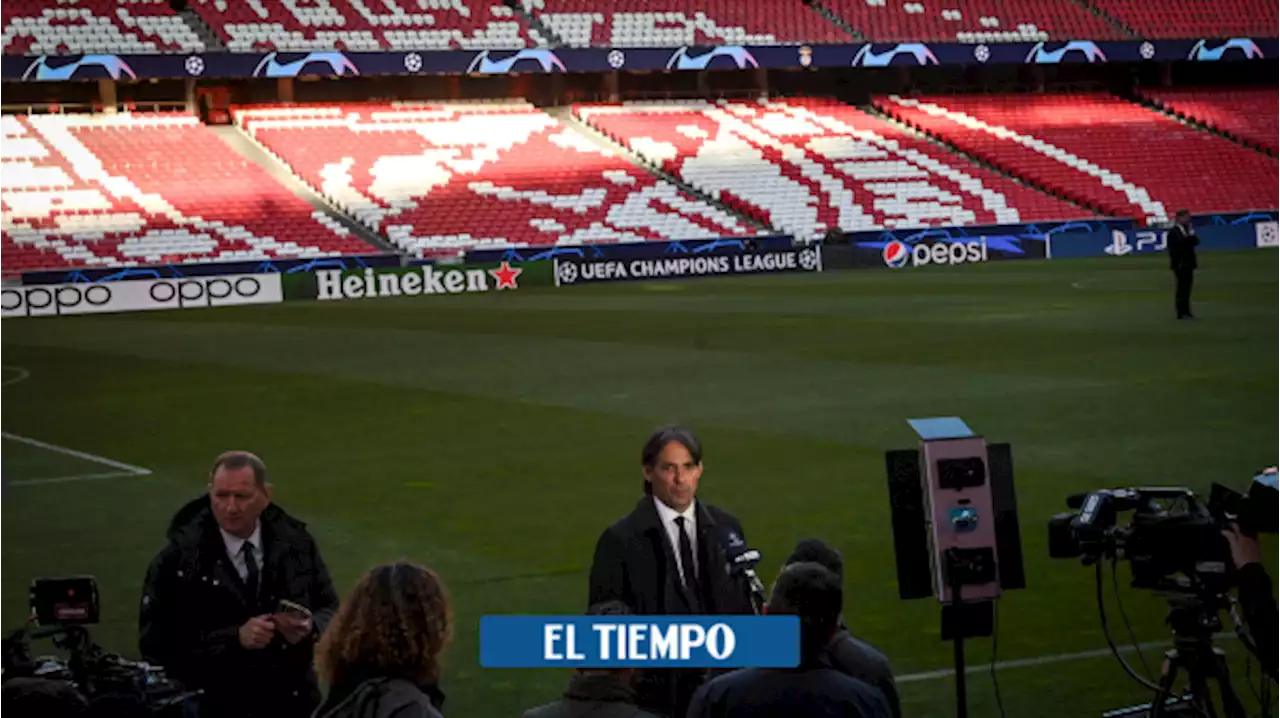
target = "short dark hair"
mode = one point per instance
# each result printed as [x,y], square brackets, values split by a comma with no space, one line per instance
[1183,213]
[817,551]
[662,436]
[238,460]
[812,592]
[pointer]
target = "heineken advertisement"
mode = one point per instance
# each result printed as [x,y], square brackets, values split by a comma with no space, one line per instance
[413,281]
[571,271]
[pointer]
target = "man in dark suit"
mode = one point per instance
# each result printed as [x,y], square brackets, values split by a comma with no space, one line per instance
[850,655]
[211,602]
[813,689]
[1181,244]
[668,556]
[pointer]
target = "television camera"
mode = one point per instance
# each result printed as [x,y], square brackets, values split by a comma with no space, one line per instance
[63,608]
[1175,548]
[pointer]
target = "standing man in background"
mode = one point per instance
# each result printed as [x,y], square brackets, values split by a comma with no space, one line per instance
[1181,244]
[668,556]
[234,602]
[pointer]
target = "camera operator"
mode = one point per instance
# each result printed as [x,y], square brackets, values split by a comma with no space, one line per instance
[233,603]
[1255,596]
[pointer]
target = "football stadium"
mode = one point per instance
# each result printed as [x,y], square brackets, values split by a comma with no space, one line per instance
[981,294]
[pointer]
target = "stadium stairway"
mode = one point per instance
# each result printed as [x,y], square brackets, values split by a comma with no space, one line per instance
[253,152]
[1102,15]
[835,19]
[566,116]
[941,142]
[202,30]
[538,29]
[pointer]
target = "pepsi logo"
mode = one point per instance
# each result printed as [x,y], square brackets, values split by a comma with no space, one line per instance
[896,254]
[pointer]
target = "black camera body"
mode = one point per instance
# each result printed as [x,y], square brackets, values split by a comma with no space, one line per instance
[63,608]
[1174,542]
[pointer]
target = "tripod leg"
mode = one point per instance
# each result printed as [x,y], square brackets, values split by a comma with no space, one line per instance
[1168,675]
[1201,698]
[1231,705]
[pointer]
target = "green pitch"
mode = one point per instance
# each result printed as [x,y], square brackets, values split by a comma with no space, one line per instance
[493,437]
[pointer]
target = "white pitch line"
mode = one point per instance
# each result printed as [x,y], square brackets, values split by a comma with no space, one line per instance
[23,375]
[78,477]
[1040,660]
[129,467]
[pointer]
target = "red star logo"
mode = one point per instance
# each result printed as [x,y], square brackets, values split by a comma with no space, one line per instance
[506,275]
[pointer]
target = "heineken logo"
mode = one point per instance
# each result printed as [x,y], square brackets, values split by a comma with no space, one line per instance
[427,279]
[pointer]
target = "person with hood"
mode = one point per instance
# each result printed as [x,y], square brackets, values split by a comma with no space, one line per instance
[846,653]
[597,692]
[233,603]
[381,654]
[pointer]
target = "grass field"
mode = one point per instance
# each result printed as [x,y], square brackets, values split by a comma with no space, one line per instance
[493,437]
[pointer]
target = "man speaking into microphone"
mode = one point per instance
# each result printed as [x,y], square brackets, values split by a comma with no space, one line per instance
[670,556]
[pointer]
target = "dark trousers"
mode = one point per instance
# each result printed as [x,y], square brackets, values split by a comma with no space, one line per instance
[1182,294]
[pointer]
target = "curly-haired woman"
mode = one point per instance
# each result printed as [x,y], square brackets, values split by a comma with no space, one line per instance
[381,654]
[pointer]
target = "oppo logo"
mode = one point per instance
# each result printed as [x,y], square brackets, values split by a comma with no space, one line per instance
[140,295]
[204,292]
[58,299]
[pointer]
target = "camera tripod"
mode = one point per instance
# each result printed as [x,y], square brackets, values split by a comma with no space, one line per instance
[1194,622]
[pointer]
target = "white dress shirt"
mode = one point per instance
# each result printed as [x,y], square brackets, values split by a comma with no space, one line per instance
[235,545]
[668,517]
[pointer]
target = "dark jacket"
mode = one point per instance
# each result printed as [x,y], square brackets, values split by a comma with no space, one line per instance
[813,692]
[382,698]
[194,602]
[1259,608]
[1181,247]
[593,696]
[859,659]
[635,563]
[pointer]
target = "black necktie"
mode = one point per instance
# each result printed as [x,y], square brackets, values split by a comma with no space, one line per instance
[686,560]
[251,566]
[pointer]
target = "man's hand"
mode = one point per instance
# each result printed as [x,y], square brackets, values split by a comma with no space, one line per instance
[1244,548]
[257,632]
[293,627]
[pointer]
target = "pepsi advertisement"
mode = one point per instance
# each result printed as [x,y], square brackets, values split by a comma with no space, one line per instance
[952,246]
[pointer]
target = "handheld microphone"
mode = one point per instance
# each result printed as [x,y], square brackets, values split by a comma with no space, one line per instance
[742,562]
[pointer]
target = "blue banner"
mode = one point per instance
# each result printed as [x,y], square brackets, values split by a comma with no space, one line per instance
[646,641]
[1125,242]
[333,63]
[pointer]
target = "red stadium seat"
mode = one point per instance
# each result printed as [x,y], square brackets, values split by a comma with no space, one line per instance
[125,190]
[1194,19]
[437,179]
[1249,114]
[1120,157]
[808,165]
[43,27]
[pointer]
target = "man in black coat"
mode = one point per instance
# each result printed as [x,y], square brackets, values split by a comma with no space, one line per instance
[846,653]
[813,689]
[1181,242]
[211,603]
[597,692]
[668,556]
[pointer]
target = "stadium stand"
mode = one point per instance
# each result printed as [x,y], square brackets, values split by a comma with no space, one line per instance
[674,23]
[806,165]
[976,21]
[365,25]
[438,179]
[128,190]
[1249,114]
[1120,157]
[1194,18]
[41,27]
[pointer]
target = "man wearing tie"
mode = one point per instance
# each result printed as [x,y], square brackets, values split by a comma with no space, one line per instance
[1181,242]
[235,600]
[668,557]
